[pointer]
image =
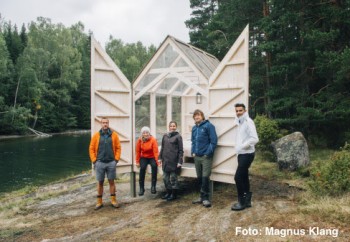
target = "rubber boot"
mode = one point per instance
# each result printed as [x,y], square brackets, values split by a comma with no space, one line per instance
[248,201]
[168,194]
[99,203]
[240,205]
[142,188]
[114,201]
[173,195]
[153,186]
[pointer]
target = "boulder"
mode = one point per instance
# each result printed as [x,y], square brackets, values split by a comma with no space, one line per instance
[291,152]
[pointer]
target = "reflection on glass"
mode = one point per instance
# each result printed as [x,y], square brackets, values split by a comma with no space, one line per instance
[142,113]
[161,118]
[176,111]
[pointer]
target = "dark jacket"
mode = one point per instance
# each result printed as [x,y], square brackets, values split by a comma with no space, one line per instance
[171,152]
[204,139]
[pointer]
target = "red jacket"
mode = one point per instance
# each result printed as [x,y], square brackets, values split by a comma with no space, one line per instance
[148,149]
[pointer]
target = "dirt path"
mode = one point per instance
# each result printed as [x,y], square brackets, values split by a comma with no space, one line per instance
[69,216]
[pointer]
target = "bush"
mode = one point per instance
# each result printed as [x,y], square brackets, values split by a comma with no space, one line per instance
[332,177]
[268,131]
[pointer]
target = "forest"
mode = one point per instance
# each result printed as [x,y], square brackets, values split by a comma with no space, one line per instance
[299,65]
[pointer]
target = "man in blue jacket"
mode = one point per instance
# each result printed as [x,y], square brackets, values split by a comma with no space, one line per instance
[204,141]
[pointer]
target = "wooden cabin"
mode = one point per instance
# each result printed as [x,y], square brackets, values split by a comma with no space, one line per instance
[177,80]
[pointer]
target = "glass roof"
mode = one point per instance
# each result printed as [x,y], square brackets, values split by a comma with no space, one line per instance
[177,65]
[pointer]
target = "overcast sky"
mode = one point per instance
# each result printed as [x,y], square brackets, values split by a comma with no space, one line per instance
[148,21]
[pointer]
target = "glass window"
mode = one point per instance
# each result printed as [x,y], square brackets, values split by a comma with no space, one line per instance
[147,79]
[176,111]
[166,58]
[161,117]
[142,114]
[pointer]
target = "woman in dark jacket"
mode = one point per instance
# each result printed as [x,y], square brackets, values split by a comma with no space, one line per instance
[171,155]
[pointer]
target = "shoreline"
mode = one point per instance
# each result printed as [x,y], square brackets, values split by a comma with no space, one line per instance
[5,137]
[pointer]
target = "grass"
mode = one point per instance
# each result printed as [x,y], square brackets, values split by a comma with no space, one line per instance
[333,211]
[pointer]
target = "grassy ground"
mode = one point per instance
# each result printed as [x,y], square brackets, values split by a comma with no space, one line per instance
[282,204]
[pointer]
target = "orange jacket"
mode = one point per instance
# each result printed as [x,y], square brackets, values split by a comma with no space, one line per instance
[148,149]
[95,140]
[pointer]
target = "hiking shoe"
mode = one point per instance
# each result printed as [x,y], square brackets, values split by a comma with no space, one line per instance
[114,202]
[197,201]
[206,203]
[99,203]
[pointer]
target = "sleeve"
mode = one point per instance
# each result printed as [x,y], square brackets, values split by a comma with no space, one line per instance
[93,148]
[253,135]
[138,151]
[155,150]
[181,150]
[213,140]
[192,141]
[116,146]
[161,150]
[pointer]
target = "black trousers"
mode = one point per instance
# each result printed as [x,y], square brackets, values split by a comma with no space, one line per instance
[242,173]
[144,162]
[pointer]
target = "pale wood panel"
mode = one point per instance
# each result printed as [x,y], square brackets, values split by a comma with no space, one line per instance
[228,85]
[111,97]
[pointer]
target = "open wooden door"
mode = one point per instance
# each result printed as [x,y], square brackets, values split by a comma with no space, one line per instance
[229,84]
[111,98]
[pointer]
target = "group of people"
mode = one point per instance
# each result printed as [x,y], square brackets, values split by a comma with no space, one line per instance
[105,153]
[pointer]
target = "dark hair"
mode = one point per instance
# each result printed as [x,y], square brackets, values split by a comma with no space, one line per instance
[197,111]
[104,118]
[173,122]
[240,105]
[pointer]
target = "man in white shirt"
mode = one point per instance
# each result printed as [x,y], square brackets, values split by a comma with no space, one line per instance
[246,140]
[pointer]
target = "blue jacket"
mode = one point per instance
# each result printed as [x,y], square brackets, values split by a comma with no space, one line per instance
[204,139]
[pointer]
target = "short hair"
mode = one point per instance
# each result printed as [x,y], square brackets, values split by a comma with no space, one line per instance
[145,129]
[104,118]
[197,111]
[173,122]
[240,105]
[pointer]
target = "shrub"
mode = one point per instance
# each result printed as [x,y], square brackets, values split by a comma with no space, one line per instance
[332,177]
[268,131]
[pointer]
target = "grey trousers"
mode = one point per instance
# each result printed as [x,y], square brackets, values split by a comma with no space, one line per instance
[203,166]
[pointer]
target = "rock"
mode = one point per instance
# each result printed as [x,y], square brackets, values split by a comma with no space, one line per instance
[291,152]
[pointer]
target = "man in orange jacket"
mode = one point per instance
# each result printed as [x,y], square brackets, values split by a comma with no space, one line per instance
[104,153]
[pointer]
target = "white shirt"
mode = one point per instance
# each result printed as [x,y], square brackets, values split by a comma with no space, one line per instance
[247,136]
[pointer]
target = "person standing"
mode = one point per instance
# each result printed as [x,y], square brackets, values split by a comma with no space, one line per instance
[246,140]
[147,154]
[171,157]
[204,141]
[104,151]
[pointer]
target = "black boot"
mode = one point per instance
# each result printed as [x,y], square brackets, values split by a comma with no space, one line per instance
[248,201]
[142,188]
[240,205]
[153,186]
[173,195]
[168,194]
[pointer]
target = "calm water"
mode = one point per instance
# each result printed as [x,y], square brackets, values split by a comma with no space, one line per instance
[37,161]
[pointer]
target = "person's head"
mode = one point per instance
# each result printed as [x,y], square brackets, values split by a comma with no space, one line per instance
[104,123]
[145,132]
[172,126]
[198,116]
[240,109]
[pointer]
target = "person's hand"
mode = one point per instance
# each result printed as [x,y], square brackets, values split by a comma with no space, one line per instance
[193,155]
[179,165]
[138,165]
[159,162]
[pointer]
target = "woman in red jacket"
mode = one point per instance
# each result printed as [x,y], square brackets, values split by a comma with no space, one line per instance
[147,154]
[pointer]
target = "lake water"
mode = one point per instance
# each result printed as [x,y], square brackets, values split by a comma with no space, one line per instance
[37,160]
